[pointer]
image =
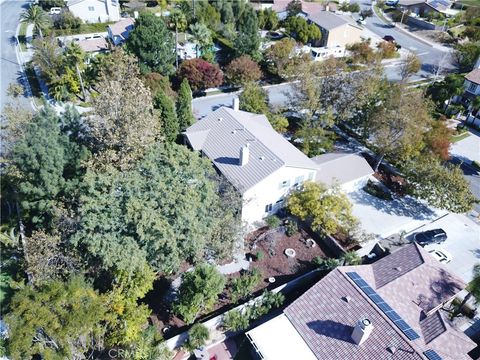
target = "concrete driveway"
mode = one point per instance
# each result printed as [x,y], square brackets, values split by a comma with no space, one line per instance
[463,243]
[384,218]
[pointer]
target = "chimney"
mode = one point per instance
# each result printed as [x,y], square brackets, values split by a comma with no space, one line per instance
[362,331]
[327,7]
[244,154]
[236,104]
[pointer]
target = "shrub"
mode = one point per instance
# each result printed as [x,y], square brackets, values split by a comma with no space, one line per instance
[197,337]
[66,20]
[291,228]
[259,255]
[269,301]
[235,320]
[200,74]
[377,191]
[387,49]
[351,258]
[325,264]
[243,286]
[242,70]
[272,221]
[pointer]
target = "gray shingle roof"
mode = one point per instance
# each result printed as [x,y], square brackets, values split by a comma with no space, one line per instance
[328,20]
[325,320]
[122,27]
[222,133]
[341,167]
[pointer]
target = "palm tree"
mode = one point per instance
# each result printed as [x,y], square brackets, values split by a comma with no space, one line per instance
[36,16]
[473,289]
[179,22]
[201,36]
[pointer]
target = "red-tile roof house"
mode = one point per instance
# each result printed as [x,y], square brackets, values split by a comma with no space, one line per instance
[387,310]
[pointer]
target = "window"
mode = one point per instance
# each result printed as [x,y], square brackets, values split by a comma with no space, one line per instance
[299,180]
[91,8]
[268,208]
[472,87]
[284,184]
[310,176]
[279,201]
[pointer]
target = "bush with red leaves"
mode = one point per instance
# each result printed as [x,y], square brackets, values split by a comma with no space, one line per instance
[200,74]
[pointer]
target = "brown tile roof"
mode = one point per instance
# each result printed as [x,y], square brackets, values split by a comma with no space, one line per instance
[474,76]
[121,27]
[93,45]
[325,320]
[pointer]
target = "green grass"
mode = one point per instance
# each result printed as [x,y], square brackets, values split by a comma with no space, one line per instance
[470,2]
[380,14]
[83,29]
[457,138]
[22,36]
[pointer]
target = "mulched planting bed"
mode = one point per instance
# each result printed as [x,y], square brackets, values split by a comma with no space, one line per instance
[272,243]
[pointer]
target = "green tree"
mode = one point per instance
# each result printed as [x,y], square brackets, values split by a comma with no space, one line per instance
[244,285]
[184,106]
[351,258]
[242,70]
[123,125]
[36,16]
[235,320]
[294,7]
[153,44]
[56,321]
[327,209]
[159,211]
[466,54]
[198,291]
[247,40]
[282,59]
[166,107]
[442,186]
[197,337]
[300,29]
[208,15]
[179,22]
[254,99]
[473,290]
[201,36]
[48,164]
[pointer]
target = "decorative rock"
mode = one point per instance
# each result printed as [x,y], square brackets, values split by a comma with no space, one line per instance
[310,243]
[271,279]
[290,252]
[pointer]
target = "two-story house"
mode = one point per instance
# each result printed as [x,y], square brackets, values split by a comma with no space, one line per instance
[94,11]
[471,94]
[265,167]
[260,163]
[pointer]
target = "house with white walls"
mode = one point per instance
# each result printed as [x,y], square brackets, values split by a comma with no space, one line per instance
[472,92]
[259,162]
[95,11]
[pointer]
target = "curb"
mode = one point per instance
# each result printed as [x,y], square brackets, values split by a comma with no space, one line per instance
[22,69]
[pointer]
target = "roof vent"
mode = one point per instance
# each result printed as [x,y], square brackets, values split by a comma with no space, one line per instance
[220,119]
[398,268]
[262,157]
[236,104]
[392,349]
[362,331]
[234,131]
[346,298]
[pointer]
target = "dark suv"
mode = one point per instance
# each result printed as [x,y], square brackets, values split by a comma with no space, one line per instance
[436,236]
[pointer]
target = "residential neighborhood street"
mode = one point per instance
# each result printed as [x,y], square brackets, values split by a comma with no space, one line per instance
[10,11]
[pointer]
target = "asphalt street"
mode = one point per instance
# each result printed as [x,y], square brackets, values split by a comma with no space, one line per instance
[10,11]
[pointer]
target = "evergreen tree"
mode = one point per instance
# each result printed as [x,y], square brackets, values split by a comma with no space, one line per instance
[169,122]
[184,106]
[247,40]
[153,44]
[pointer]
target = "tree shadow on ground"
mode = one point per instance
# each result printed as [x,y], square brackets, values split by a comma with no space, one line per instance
[405,206]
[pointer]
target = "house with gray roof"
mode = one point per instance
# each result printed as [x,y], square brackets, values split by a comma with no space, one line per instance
[120,31]
[259,162]
[95,11]
[391,309]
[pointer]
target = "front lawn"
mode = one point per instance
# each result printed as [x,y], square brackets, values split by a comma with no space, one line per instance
[22,36]
[83,29]
[457,138]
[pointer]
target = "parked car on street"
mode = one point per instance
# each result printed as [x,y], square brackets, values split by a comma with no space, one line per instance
[436,236]
[441,255]
[389,38]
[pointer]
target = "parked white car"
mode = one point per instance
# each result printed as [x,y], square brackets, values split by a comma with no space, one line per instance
[441,255]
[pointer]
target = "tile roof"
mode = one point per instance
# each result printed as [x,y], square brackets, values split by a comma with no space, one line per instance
[122,27]
[222,133]
[93,45]
[474,76]
[341,167]
[325,320]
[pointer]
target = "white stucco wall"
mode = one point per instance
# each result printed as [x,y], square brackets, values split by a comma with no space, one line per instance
[472,87]
[354,185]
[93,11]
[269,191]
